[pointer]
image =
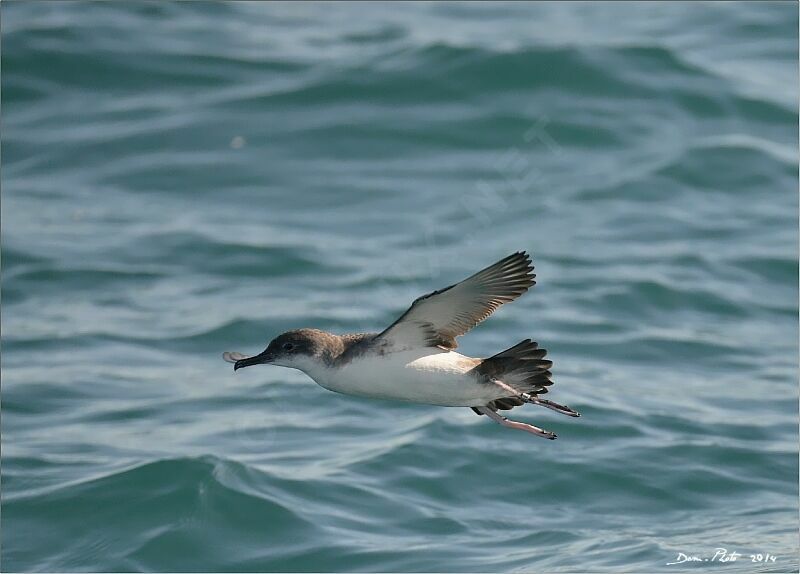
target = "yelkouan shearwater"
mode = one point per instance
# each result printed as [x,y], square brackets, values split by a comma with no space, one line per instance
[414,359]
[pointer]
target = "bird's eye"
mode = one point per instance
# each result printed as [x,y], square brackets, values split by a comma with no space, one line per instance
[288,346]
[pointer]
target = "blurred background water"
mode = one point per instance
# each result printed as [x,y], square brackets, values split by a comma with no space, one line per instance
[181,179]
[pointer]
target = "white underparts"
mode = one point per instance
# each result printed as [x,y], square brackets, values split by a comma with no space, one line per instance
[428,376]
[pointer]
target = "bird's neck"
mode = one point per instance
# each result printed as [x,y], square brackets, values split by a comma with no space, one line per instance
[332,351]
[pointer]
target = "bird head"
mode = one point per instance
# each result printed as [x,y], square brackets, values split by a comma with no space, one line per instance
[295,349]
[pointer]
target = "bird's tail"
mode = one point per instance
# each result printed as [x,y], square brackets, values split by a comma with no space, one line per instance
[526,372]
[522,367]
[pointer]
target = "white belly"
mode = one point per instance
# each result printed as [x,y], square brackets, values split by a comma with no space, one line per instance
[419,376]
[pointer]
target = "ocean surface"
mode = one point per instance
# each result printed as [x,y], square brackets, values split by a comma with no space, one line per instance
[183,179]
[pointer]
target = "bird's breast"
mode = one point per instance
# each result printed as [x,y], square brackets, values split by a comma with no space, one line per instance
[421,376]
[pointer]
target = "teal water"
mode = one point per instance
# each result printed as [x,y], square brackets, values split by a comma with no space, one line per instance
[181,179]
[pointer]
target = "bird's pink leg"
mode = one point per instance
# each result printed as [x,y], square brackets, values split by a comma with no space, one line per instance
[515,424]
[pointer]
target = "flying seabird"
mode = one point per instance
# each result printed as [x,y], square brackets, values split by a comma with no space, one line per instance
[414,359]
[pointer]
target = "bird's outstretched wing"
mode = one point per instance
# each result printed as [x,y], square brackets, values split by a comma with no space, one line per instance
[436,319]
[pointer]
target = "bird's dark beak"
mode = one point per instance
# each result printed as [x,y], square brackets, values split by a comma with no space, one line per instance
[259,359]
